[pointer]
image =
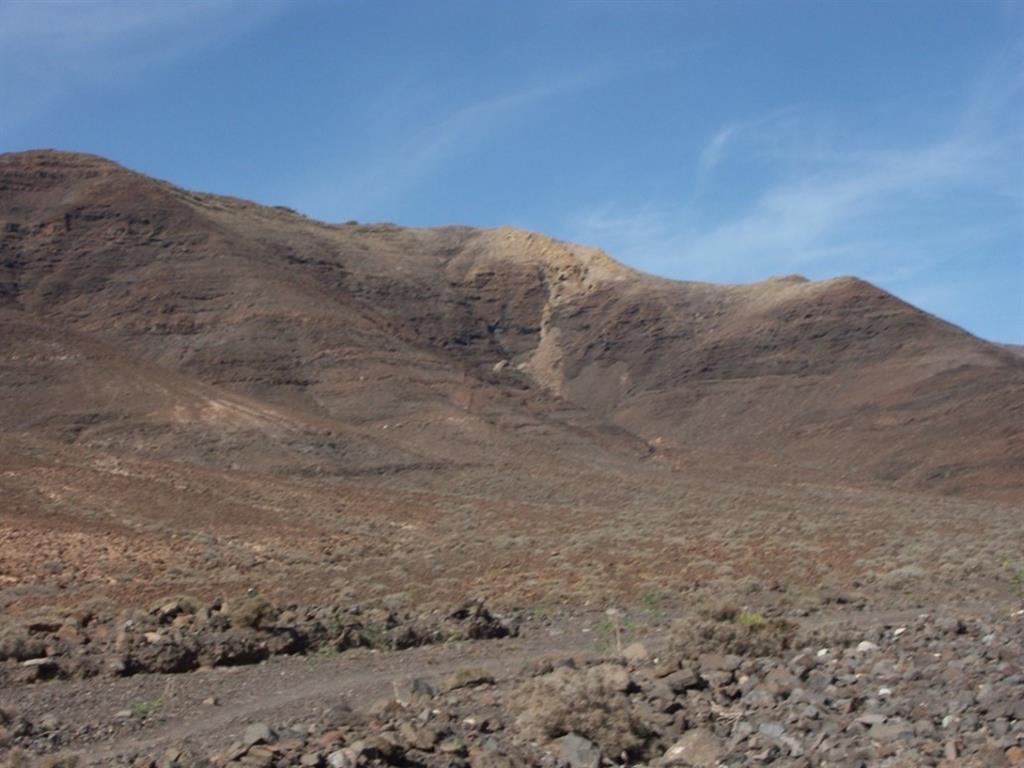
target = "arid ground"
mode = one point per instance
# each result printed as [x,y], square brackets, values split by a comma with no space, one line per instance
[261,474]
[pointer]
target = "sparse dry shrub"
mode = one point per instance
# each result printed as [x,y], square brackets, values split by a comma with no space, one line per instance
[902,577]
[739,633]
[251,611]
[466,677]
[60,761]
[15,758]
[18,758]
[12,643]
[841,635]
[590,702]
[17,644]
[137,617]
[721,612]
[97,609]
[176,604]
[8,730]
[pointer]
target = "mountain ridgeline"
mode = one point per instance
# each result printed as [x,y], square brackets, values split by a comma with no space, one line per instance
[141,319]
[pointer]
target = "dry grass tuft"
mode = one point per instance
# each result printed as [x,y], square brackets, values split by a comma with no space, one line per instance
[737,632]
[591,702]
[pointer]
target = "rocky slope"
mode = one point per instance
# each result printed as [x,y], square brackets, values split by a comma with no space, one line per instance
[726,688]
[143,319]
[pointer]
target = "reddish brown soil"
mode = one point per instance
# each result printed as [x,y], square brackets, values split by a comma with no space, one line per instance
[199,394]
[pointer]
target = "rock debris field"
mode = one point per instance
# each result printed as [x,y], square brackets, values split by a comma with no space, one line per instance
[722,687]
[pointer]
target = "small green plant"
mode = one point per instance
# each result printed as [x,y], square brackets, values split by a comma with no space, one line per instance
[543,612]
[749,619]
[1015,573]
[324,651]
[375,635]
[455,636]
[467,676]
[613,632]
[143,709]
[653,599]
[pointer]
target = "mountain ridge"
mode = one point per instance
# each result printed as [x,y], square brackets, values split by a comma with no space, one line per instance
[359,325]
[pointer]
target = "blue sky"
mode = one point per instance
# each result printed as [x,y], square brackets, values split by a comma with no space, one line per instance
[718,141]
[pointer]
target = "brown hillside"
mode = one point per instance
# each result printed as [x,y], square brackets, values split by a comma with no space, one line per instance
[144,319]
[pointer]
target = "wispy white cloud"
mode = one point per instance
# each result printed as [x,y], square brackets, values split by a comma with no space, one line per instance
[773,135]
[426,130]
[714,150]
[462,129]
[825,206]
[400,165]
[65,29]
[797,222]
[50,50]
